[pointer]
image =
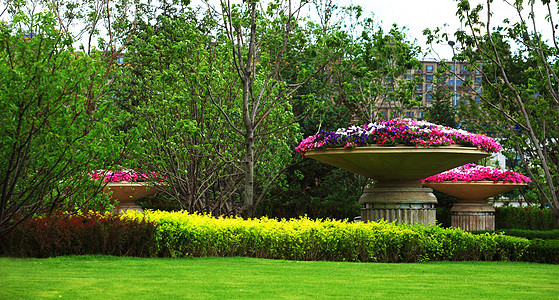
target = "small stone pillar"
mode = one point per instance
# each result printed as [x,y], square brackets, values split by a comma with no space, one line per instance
[403,202]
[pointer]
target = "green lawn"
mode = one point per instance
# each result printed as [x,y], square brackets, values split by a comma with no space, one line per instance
[105,277]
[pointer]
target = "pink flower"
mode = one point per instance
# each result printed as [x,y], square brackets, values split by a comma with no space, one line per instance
[398,132]
[473,172]
[122,175]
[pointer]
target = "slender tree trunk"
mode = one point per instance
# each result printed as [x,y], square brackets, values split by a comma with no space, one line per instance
[249,148]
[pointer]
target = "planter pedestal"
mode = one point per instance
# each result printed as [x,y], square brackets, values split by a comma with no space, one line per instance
[126,193]
[472,212]
[398,194]
[403,202]
[473,216]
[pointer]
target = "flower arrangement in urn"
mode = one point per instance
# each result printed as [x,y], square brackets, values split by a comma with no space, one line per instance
[405,132]
[397,154]
[127,186]
[475,173]
[123,175]
[472,185]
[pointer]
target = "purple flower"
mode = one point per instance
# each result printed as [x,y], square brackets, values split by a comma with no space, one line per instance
[393,132]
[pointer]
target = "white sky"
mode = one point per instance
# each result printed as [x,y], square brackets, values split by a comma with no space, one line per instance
[416,15]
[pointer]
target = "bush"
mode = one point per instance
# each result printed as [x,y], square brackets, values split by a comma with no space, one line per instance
[181,234]
[528,234]
[90,233]
[543,251]
[529,217]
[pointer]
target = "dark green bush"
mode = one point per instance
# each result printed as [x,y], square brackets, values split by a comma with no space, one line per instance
[529,217]
[528,234]
[543,251]
[91,233]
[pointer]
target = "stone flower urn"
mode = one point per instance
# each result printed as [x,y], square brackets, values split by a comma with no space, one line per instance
[396,154]
[472,188]
[126,193]
[126,186]
[397,195]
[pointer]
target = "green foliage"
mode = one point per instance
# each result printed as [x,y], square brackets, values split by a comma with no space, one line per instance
[80,234]
[180,234]
[528,234]
[543,251]
[529,217]
[54,121]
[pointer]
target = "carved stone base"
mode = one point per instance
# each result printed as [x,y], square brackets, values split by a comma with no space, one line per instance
[402,203]
[473,216]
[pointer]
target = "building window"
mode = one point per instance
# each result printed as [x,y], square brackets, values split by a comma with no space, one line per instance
[479,89]
[429,68]
[429,87]
[428,96]
[120,60]
[409,114]
[408,76]
[421,115]
[478,80]
[429,77]
[420,86]
[478,100]
[452,68]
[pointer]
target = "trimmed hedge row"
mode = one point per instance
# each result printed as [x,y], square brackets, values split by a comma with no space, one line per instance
[527,234]
[90,233]
[529,217]
[180,234]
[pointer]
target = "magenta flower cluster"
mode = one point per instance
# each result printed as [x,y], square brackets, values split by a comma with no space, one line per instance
[473,172]
[405,132]
[122,175]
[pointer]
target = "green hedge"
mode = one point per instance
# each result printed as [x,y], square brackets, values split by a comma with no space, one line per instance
[90,233]
[180,234]
[529,217]
[528,234]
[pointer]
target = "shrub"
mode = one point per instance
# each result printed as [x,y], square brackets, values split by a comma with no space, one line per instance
[529,217]
[543,251]
[528,234]
[180,234]
[89,233]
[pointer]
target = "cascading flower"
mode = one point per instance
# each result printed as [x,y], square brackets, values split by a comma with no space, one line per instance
[473,172]
[406,132]
[122,175]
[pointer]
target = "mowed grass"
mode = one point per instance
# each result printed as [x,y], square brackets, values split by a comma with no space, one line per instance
[106,277]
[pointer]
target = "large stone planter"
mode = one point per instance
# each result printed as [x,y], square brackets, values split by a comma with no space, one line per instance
[126,193]
[398,194]
[472,212]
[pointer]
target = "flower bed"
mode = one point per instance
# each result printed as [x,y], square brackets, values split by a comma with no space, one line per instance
[473,172]
[123,175]
[405,132]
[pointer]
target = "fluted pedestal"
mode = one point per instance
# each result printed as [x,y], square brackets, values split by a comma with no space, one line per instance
[401,202]
[473,216]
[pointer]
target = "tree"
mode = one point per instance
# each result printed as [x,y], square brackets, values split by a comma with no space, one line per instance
[50,139]
[520,90]
[259,40]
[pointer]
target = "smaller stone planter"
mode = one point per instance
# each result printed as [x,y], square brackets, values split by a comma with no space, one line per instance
[126,193]
[472,212]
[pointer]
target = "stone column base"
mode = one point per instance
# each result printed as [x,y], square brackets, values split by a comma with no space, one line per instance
[473,216]
[412,205]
